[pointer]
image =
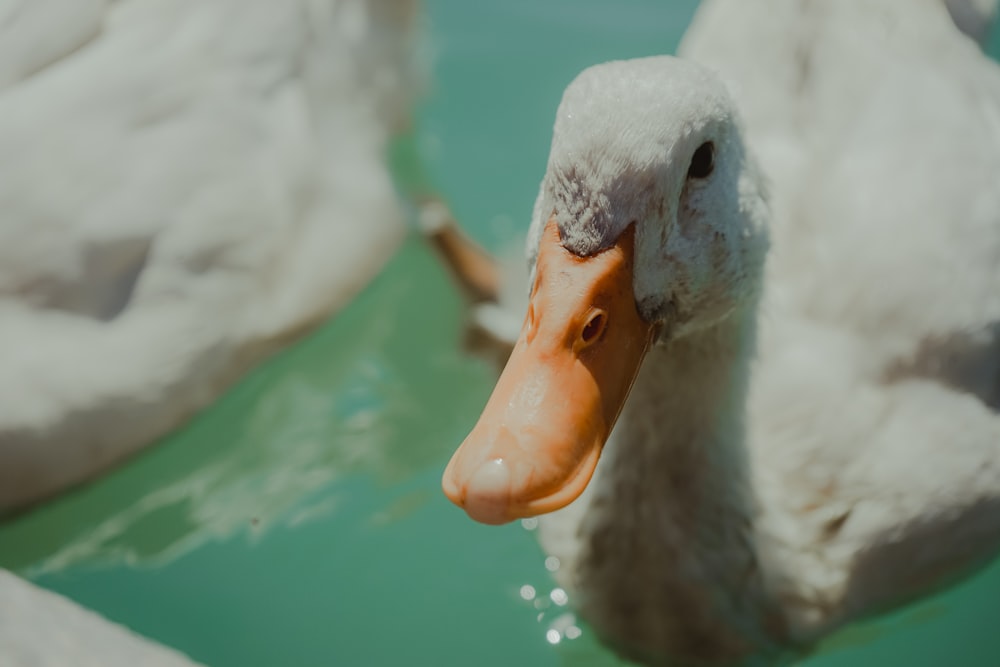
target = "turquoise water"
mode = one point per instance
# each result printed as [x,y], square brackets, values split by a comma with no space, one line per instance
[299,521]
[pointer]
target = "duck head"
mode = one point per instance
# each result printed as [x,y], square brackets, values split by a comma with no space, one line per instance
[650,225]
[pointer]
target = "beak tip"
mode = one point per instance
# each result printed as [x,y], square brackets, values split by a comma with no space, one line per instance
[452,489]
[486,497]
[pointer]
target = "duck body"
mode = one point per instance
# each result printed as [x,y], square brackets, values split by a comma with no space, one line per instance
[825,447]
[185,187]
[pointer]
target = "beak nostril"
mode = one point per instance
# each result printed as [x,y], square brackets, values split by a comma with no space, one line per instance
[530,322]
[594,328]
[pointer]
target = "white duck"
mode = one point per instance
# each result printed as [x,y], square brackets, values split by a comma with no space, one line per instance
[804,442]
[185,186]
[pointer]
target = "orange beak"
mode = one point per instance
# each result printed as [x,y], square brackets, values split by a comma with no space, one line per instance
[538,440]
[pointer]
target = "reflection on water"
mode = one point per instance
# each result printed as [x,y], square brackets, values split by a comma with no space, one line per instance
[335,404]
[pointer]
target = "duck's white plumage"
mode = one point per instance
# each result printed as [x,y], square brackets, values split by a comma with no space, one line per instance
[183,187]
[782,468]
[876,121]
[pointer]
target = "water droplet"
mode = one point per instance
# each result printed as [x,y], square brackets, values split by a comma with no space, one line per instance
[553,636]
[551,563]
[572,632]
[528,592]
[530,523]
[559,596]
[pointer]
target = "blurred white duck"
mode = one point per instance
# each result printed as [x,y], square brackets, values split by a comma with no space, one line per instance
[39,628]
[803,443]
[184,186]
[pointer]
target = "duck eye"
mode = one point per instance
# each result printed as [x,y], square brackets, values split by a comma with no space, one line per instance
[703,161]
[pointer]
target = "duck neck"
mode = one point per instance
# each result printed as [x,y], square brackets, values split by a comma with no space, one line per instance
[669,553]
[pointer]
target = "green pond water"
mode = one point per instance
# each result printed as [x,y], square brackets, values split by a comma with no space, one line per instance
[299,520]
